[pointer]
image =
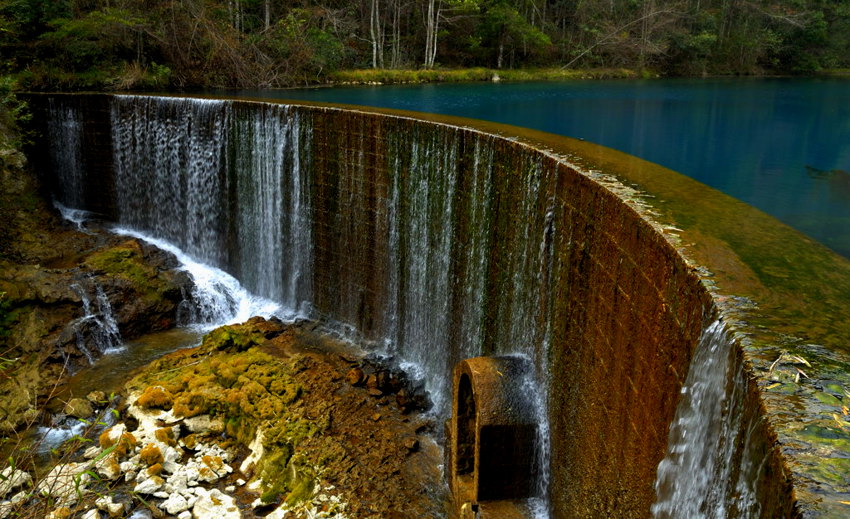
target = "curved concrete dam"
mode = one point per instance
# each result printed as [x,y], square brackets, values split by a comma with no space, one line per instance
[688,353]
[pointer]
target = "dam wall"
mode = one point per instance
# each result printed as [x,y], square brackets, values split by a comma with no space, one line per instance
[434,243]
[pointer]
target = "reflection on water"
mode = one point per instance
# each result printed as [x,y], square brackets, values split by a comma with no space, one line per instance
[750,138]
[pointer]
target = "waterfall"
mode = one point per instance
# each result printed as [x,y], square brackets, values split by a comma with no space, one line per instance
[426,285]
[183,165]
[65,132]
[217,298]
[709,471]
[96,330]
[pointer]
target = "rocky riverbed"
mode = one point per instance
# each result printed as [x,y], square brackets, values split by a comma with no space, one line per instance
[263,419]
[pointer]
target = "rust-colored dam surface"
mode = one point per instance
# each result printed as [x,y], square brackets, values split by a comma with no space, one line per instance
[439,239]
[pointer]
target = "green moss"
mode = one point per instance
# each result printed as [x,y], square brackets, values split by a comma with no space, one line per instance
[127,262]
[8,315]
[301,491]
[156,397]
[238,338]
[151,455]
[230,375]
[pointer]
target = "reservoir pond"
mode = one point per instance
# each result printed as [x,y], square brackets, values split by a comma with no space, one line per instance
[781,145]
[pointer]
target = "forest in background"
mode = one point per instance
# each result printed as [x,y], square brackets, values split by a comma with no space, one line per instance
[125,44]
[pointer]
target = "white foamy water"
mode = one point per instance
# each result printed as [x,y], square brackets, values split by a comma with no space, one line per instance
[217,298]
[699,477]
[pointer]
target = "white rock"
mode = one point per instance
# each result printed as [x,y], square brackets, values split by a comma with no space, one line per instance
[185,515]
[230,489]
[216,504]
[171,467]
[192,475]
[12,478]
[131,465]
[256,485]
[257,451]
[162,494]
[91,452]
[278,513]
[65,482]
[178,482]
[149,419]
[170,454]
[109,506]
[240,482]
[204,424]
[6,507]
[174,504]
[92,514]
[107,468]
[149,485]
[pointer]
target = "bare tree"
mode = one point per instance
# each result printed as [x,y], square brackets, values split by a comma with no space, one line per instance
[376,35]
[432,24]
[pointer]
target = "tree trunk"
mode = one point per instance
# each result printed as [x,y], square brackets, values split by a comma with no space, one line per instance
[395,47]
[501,57]
[432,23]
[377,36]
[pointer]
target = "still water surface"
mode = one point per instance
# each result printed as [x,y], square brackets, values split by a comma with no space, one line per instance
[782,145]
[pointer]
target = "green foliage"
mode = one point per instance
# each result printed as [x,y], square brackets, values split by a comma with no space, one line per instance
[160,43]
[13,114]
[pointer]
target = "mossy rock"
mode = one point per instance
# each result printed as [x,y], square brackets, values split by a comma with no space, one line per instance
[232,338]
[155,397]
[126,261]
[151,455]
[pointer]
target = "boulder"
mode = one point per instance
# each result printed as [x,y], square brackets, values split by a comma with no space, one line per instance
[79,408]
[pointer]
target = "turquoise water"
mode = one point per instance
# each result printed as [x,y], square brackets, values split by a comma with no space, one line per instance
[782,145]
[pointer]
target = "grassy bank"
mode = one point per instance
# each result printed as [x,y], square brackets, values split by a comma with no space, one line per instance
[398,76]
[835,72]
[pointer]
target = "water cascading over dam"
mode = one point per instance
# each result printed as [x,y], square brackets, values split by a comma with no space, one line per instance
[437,243]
